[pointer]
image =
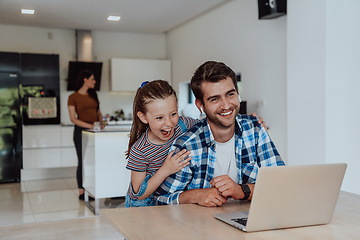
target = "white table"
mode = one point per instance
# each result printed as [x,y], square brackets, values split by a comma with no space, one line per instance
[104,164]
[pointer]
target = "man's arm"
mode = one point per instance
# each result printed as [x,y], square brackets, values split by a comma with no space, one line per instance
[169,191]
[208,197]
[174,190]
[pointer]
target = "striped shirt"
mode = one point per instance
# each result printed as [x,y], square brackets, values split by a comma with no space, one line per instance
[253,149]
[145,156]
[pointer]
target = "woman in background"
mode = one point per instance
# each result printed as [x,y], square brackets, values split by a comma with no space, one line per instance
[84,110]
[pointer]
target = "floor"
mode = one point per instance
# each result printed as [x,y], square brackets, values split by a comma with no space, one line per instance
[50,209]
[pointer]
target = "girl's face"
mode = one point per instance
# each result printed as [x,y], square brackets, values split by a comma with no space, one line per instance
[162,117]
[90,82]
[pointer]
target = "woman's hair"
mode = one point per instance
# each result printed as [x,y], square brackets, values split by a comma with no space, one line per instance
[80,82]
[149,91]
[210,71]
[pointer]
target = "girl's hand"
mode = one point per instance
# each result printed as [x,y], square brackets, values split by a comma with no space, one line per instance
[260,120]
[172,164]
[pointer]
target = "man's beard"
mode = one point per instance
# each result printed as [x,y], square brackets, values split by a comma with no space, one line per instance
[216,119]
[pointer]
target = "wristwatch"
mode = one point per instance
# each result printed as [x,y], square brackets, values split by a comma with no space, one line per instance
[246,191]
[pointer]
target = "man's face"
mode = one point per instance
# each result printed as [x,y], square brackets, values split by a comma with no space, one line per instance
[221,103]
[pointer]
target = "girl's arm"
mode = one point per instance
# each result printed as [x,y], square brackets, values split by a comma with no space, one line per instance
[171,165]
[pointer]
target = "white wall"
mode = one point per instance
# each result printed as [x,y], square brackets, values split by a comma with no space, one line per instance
[342,88]
[306,81]
[322,86]
[256,48]
[106,45]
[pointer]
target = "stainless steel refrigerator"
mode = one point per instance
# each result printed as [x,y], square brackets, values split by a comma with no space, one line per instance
[10,121]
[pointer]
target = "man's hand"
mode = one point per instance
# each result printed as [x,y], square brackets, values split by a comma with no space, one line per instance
[211,197]
[208,197]
[227,187]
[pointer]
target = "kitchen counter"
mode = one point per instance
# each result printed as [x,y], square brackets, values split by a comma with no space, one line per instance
[104,163]
[119,126]
[123,122]
[111,124]
[113,128]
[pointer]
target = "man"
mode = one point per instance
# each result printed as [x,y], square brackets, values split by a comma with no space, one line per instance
[226,148]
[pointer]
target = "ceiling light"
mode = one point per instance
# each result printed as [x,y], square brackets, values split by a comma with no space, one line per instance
[27,11]
[113,18]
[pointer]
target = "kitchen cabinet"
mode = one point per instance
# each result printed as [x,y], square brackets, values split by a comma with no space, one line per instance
[104,164]
[48,146]
[128,74]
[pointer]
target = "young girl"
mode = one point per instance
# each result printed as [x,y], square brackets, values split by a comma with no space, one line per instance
[156,125]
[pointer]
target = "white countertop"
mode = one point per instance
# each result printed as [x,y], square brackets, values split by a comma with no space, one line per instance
[124,122]
[112,128]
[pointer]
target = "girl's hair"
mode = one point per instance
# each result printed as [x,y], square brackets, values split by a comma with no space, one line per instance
[149,91]
[80,82]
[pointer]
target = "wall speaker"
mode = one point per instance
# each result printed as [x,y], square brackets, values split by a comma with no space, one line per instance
[269,9]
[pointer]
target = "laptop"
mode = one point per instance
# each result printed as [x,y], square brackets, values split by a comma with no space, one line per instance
[290,196]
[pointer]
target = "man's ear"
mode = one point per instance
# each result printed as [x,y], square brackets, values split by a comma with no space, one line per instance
[142,117]
[199,105]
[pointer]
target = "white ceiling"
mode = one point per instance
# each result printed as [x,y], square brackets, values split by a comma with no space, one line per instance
[138,16]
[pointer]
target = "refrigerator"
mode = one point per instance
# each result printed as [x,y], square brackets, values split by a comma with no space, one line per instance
[10,119]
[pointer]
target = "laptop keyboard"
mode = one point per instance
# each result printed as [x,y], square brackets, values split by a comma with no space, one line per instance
[241,221]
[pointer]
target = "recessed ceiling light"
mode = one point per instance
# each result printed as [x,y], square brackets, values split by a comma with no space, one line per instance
[113,18]
[27,11]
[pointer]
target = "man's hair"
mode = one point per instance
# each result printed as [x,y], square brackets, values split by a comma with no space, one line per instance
[210,71]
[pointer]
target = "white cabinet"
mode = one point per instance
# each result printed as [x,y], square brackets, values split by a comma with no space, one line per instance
[67,133]
[41,158]
[104,164]
[48,146]
[68,157]
[68,152]
[128,74]
[41,136]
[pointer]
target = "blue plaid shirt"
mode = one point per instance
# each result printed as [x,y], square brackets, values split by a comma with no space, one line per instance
[253,149]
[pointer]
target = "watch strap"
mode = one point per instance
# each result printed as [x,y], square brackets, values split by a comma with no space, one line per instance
[246,190]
